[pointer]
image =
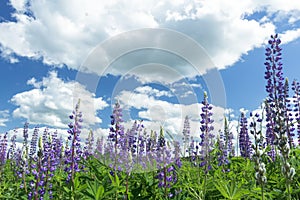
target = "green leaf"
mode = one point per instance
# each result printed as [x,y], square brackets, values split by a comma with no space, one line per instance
[100,192]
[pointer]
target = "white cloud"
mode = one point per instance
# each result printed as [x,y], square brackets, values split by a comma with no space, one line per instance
[64,32]
[169,115]
[4,115]
[153,92]
[290,35]
[52,100]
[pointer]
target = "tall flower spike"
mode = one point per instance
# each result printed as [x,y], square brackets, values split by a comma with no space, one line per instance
[228,139]
[278,107]
[115,137]
[33,142]
[74,153]
[244,140]
[186,134]
[296,101]
[206,135]
[3,148]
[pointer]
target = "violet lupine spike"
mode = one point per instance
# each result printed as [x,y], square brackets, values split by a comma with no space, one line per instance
[288,115]
[274,74]
[99,151]
[186,134]
[151,143]
[89,144]
[33,142]
[276,100]
[228,139]
[223,152]
[206,134]
[11,154]
[244,139]
[116,137]
[166,172]
[260,169]
[296,110]
[270,131]
[25,138]
[3,149]
[178,162]
[73,153]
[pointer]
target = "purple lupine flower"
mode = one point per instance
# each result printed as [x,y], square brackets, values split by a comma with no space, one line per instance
[244,139]
[273,74]
[222,152]
[256,131]
[274,88]
[116,141]
[3,149]
[141,145]
[228,139]
[186,134]
[73,153]
[33,142]
[194,152]
[296,101]
[44,165]
[206,135]
[166,164]
[270,131]
[151,146]
[88,149]
[288,115]
[278,106]
[99,147]
[178,162]
[11,154]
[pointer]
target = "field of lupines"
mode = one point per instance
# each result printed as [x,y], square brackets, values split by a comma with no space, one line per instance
[137,164]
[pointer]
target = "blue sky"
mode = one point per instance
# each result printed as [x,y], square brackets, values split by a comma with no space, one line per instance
[155,58]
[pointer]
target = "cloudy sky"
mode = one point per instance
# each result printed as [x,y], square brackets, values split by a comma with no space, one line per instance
[155,57]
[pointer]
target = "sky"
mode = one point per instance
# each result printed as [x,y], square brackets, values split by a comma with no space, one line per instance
[156,58]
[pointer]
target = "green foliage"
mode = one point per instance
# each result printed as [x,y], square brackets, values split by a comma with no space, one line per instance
[97,182]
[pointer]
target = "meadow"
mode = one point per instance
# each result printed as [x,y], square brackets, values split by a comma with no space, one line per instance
[144,165]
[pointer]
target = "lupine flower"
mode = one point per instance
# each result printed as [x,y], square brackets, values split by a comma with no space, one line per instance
[33,142]
[3,149]
[11,154]
[99,147]
[206,135]
[73,153]
[228,139]
[88,149]
[270,131]
[277,106]
[194,152]
[186,134]
[166,171]
[22,163]
[296,101]
[115,137]
[288,115]
[260,169]
[44,165]
[223,152]
[244,139]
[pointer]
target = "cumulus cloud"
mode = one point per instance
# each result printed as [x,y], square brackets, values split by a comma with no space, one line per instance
[153,92]
[156,112]
[65,32]
[290,35]
[52,100]
[4,115]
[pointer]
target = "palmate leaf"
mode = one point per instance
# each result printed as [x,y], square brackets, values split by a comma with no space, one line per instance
[230,190]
